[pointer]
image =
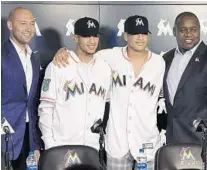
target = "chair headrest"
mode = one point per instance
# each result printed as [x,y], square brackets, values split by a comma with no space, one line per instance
[178,157]
[60,157]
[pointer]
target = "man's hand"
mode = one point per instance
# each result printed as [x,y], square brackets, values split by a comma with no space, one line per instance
[37,155]
[61,57]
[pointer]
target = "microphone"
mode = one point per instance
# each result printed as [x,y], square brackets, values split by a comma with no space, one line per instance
[97,126]
[6,129]
[199,125]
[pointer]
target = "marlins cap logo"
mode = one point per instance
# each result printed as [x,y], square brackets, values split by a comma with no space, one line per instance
[91,24]
[139,22]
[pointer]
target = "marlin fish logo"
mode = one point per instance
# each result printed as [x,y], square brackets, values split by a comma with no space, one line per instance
[139,22]
[164,28]
[186,154]
[37,30]
[120,26]
[71,158]
[72,88]
[91,24]
[204,26]
[70,27]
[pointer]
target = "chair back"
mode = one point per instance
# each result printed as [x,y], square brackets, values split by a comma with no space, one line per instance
[179,157]
[60,157]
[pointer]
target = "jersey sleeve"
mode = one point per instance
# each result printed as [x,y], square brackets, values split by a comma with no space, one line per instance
[50,84]
[48,98]
[45,111]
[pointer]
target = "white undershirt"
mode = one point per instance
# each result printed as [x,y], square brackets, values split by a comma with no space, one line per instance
[177,68]
[27,66]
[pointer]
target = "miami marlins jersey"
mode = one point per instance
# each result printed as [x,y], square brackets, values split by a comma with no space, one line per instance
[72,99]
[132,120]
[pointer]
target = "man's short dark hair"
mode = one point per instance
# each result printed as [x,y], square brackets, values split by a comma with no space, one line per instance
[82,167]
[184,14]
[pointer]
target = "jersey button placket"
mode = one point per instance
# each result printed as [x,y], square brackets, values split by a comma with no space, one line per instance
[130,110]
[87,118]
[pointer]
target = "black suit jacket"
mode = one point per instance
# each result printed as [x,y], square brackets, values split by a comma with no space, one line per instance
[190,100]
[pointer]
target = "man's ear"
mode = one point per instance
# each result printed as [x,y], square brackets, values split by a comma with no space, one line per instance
[174,31]
[125,36]
[9,25]
[75,38]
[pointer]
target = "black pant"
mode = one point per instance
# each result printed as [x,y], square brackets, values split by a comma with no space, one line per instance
[20,162]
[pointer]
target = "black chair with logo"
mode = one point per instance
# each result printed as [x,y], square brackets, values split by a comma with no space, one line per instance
[61,157]
[179,157]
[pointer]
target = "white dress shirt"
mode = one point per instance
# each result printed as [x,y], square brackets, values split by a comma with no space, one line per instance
[179,64]
[25,58]
[133,118]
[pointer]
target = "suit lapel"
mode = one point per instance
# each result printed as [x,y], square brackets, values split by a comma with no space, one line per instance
[192,66]
[15,60]
[168,61]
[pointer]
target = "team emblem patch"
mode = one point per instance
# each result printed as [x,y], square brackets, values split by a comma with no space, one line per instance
[45,84]
[71,158]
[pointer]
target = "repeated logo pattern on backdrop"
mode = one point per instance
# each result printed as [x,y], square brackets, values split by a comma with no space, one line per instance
[164,28]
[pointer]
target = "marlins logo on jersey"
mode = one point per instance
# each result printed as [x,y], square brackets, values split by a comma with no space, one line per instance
[146,87]
[120,80]
[73,88]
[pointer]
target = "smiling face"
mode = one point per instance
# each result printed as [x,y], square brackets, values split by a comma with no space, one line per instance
[187,32]
[137,42]
[88,45]
[21,26]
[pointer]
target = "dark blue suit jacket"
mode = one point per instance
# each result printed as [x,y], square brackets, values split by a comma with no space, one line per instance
[15,100]
[190,101]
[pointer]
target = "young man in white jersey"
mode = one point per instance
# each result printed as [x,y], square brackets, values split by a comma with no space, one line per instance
[73,97]
[136,83]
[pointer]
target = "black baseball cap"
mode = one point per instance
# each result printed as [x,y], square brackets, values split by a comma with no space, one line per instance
[136,25]
[86,27]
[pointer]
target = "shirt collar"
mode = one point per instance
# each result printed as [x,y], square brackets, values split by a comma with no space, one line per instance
[125,55]
[191,50]
[19,50]
[75,58]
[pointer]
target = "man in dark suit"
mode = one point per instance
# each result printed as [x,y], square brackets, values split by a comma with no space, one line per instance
[185,81]
[19,87]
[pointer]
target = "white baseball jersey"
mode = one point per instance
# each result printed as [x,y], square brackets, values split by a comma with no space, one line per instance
[132,120]
[72,99]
